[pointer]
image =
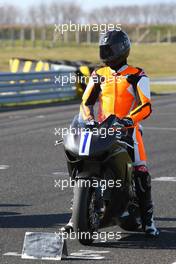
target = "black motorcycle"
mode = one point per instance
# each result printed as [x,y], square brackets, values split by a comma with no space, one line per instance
[100,166]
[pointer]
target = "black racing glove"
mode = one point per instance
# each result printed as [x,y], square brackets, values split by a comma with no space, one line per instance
[127,122]
[124,122]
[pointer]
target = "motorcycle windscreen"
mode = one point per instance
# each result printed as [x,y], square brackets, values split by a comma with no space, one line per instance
[94,145]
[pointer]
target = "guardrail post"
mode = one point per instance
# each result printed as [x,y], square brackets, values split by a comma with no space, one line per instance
[12,36]
[158,36]
[88,36]
[33,37]
[43,37]
[22,37]
[169,36]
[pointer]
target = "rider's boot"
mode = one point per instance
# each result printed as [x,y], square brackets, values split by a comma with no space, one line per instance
[143,191]
[68,228]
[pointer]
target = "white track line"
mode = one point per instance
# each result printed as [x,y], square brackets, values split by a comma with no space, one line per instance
[4,167]
[165,179]
[40,116]
[61,173]
[14,254]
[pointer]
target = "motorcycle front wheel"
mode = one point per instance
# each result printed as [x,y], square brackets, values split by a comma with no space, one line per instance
[85,216]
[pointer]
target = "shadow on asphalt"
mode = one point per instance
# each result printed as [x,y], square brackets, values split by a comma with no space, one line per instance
[8,213]
[14,205]
[9,220]
[166,240]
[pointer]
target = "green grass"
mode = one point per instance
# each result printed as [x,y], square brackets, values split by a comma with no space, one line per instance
[163,88]
[156,59]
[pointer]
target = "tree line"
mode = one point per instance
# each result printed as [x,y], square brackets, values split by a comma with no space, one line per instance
[58,13]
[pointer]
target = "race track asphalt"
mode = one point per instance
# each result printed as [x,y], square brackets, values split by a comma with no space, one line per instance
[30,202]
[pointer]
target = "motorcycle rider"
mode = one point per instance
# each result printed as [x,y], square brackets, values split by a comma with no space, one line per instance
[123,90]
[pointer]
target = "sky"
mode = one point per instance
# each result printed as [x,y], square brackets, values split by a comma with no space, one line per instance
[86,4]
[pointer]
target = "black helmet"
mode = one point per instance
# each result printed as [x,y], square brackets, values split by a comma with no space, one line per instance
[114,47]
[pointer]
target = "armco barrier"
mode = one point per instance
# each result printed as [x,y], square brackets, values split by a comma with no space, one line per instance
[36,86]
[82,68]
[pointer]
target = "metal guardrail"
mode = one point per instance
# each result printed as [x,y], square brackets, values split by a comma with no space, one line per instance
[36,86]
[47,85]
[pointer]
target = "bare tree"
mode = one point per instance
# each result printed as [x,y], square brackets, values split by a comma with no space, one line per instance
[72,12]
[56,12]
[135,14]
[43,14]
[9,15]
[32,16]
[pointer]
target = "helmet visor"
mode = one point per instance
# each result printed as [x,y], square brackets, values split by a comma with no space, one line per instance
[105,52]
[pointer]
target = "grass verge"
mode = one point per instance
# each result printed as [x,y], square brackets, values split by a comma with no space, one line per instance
[163,88]
[156,59]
